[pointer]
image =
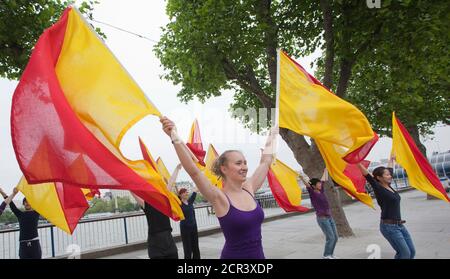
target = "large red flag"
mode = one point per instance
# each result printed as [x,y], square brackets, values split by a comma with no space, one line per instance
[70,110]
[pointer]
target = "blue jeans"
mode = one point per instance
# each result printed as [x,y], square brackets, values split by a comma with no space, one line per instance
[399,238]
[328,227]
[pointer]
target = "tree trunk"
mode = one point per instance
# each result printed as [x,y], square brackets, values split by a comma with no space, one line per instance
[308,156]
[329,42]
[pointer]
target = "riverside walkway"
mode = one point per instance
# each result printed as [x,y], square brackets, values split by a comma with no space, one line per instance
[299,236]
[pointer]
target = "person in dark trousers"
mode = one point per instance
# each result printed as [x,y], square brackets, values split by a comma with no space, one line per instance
[326,223]
[161,244]
[188,226]
[391,224]
[29,248]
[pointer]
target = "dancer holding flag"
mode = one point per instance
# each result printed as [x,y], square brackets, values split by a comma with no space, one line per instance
[391,224]
[188,226]
[29,248]
[326,222]
[161,244]
[240,216]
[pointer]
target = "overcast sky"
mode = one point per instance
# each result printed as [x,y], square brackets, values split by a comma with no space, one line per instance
[146,17]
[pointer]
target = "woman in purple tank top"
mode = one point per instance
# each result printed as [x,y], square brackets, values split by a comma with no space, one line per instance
[240,216]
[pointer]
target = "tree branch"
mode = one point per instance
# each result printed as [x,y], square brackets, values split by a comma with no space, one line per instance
[270,38]
[247,82]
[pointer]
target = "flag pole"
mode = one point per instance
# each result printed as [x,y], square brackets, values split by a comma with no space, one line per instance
[277,102]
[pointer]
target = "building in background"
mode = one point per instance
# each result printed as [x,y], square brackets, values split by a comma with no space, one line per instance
[122,194]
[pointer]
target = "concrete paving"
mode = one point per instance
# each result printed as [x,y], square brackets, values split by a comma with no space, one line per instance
[299,237]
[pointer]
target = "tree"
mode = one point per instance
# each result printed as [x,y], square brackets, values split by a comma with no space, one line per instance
[408,74]
[23,22]
[212,45]
[100,206]
[8,217]
[408,71]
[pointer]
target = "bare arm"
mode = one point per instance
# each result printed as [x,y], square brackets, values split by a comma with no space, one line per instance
[324,175]
[362,169]
[391,161]
[173,178]
[256,180]
[305,180]
[139,201]
[11,197]
[211,193]
[4,195]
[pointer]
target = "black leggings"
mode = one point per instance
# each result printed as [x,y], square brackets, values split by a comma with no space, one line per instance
[30,250]
[162,246]
[190,243]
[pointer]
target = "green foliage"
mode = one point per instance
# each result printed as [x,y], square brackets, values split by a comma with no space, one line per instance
[210,46]
[8,217]
[22,22]
[409,73]
[213,45]
[102,205]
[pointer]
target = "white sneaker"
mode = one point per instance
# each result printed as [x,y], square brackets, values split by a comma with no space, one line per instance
[327,257]
[334,257]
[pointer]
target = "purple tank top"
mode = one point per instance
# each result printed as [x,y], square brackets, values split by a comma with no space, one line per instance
[242,231]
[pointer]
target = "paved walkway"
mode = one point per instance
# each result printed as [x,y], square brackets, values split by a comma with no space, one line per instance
[299,237]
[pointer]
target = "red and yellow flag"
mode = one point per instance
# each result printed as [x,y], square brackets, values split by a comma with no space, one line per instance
[90,193]
[285,188]
[194,143]
[162,169]
[175,202]
[70,110]
[420,173]
[63,206]
[309,108]
[344,174]
[211,157]
[342,132]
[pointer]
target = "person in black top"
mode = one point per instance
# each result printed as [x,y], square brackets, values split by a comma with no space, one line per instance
[188,226]
[30,247]
[161,244]
[391,225]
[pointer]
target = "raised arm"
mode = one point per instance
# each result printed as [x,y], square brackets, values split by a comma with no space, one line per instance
[173,178]
[4,195]
[13,207]
[362,169]
[305,180]
[324,175]
[256,180]
[211,193]
[391,161]
[9,199]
